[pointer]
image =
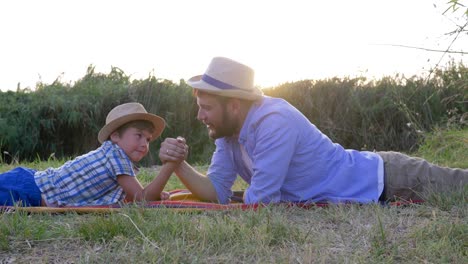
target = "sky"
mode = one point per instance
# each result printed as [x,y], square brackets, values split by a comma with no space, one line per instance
[283,41]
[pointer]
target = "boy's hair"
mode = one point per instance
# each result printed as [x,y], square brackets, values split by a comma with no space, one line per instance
[138,124]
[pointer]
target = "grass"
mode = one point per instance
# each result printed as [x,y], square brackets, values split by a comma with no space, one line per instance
[446,148]
[434,232]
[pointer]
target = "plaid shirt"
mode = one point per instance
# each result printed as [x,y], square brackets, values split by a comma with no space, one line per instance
[90,179]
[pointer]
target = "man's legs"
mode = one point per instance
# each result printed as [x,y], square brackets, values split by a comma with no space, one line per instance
[409,178]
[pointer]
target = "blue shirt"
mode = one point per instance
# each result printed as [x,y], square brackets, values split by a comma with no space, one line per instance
[284,157]
[90,179]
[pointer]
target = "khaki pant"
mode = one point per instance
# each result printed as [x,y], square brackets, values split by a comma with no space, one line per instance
[411,178]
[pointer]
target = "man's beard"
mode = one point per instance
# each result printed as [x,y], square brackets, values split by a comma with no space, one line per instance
[227,128]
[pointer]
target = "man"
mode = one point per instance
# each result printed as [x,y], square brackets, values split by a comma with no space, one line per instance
[284,157]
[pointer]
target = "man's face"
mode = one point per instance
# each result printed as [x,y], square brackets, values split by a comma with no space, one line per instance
[217,117]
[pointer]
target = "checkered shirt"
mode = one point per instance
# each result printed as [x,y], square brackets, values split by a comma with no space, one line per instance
[90,179]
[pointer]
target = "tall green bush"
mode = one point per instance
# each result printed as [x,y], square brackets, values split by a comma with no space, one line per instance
[392,113]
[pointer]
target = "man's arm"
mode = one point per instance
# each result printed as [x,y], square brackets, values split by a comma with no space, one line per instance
[274,148]
[173,150]
[197,183]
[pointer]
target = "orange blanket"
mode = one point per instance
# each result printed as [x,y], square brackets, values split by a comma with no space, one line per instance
[180,200]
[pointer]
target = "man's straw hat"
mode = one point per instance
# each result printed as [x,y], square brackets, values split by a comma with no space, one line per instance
[229,78]
[128,112]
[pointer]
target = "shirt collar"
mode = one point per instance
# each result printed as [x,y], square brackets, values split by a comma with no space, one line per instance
[248,119]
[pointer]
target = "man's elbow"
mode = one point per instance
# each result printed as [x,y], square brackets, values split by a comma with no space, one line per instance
[209,195]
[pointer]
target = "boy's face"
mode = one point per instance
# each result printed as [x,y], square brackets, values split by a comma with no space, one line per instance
[134,142]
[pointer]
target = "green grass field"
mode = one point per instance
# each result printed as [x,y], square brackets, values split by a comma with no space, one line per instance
[434,232]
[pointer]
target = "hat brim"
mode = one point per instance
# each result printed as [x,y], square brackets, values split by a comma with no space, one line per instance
[157,122]
[197,83]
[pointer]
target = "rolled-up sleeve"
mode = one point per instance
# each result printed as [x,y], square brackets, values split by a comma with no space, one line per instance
[222,172]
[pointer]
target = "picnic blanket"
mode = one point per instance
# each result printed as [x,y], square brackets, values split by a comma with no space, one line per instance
[180,200]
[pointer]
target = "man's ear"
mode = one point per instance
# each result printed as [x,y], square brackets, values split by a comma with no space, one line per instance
[235,105]
[115,137]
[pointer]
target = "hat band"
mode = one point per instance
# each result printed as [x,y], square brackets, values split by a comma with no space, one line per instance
[217,83]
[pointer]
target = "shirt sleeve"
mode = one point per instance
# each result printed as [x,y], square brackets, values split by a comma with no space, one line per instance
[275,143]
[222,172]
[119,164]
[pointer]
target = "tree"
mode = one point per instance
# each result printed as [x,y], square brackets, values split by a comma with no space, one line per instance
[457,6]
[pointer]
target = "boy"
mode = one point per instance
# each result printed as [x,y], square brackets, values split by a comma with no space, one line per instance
[101,177]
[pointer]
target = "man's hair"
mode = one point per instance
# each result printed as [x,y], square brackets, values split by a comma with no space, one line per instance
[138,124]
[223,99]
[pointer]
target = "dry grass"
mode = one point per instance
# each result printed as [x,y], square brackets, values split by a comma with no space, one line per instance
[338,234]
[434,232]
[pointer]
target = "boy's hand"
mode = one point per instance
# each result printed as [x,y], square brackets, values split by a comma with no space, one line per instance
[165,195]
[173,149]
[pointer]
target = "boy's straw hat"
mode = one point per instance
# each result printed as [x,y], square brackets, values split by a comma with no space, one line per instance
[229,78]
[128,112]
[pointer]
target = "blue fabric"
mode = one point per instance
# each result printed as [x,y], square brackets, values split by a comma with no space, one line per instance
[217,83]
[291,160]
[90,179]
[17,186]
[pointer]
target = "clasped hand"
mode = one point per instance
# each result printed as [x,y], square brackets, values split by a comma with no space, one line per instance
[173,150]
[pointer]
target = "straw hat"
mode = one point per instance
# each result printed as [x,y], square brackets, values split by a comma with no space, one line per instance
[128,112]
[229,78]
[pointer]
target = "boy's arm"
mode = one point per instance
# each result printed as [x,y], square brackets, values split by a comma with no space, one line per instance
[197,183]
[134,191]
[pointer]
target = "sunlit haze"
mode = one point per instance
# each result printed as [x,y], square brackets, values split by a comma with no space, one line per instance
[282,40]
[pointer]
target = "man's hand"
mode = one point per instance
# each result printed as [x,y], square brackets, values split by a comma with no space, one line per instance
[173,149]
